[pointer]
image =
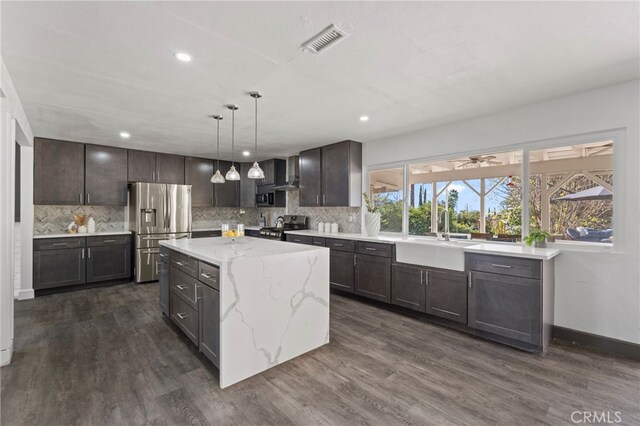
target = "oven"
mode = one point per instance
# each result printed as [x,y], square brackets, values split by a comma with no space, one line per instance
[265,200]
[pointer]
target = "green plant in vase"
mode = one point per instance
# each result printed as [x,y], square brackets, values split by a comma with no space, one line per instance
[536,238]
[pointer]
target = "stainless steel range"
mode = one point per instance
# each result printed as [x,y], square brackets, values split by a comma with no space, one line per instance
[289,223]
[157,212]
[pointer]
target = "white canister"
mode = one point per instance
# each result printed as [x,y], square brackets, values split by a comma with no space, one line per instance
[327,227]
[320,227]
[334,228]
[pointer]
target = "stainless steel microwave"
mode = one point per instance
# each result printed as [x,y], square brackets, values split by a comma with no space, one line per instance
[265,200]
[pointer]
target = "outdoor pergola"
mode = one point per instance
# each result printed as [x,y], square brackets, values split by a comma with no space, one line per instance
[588,160]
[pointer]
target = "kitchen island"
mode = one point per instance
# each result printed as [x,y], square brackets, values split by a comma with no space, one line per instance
[248,304]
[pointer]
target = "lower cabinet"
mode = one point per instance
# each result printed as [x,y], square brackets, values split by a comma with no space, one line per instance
[209,321]
[373,277]
[163,277]
[109,262]
[342,270]
[184,316]
[446,295]
[407,287]
[58,268]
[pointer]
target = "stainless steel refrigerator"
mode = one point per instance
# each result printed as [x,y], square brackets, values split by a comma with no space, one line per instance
[157,212]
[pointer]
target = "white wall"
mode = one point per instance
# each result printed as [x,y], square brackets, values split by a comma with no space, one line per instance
[595,292]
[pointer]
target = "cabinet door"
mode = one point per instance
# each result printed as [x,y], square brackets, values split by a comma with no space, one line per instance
[505,305]
[58,268]
[407,287]
[268,167]
[105,176]
[141,166]
[373,277]
[446,295]
[209,314]
[164,282]
[227,194]
[197,173]
[108,263]
[247,187]
[335,174]
[58,172]
[170,168]
[310,178]
[341,270]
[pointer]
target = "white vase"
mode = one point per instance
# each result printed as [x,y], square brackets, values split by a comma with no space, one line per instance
[372,223]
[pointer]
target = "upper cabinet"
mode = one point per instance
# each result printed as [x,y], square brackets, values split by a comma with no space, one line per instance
[275,172]
[197,173]
[105,176]
[247,187]
[58,172]
[60,177]
[147,166]
[227,194]
[331,175]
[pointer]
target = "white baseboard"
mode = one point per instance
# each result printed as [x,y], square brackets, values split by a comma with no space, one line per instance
[24,294]
[5,356]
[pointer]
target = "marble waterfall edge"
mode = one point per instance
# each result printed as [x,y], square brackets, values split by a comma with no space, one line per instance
[272,309]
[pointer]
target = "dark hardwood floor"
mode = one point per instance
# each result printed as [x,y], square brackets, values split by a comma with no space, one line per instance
[105,356]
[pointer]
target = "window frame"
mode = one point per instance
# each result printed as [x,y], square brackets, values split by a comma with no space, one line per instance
[618,138]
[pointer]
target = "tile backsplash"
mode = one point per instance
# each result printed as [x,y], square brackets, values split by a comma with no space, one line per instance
[55,219]
[213,217]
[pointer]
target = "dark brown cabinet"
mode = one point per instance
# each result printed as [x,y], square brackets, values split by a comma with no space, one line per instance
[446,294]
[408,287]
[342,270]
[311,178]
[58,172]
[58,268]
[105,176]
[163,284]
[197,173]
[142,166]
[331,175]
[275,172]
[169,168]
[247,187]
[108,259]
[227,194]
[147,166]
[209,321]
[373,277]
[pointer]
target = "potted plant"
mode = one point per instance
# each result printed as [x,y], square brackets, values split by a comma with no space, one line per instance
[371,216]
[537,238]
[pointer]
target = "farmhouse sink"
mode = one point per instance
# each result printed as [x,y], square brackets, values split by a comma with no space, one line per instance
[433,253]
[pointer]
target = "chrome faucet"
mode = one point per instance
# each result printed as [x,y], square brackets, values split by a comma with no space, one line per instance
[446,233]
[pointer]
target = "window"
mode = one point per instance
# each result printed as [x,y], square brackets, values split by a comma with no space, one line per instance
[386,191]
[481,194]
[571,195]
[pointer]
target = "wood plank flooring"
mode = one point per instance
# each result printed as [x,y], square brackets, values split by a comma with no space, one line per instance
[105,356]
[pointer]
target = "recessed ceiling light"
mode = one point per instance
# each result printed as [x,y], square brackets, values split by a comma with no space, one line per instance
[181,56]
[246,153]
[364,118]
[125,135]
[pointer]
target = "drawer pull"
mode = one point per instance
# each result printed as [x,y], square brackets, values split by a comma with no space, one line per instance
[180,263]
[208,276]
[181,287]
[338,245]
[162,255]
[181,316]
[497,265]
[109,241]
[59,244]
[470,280]
[371,249]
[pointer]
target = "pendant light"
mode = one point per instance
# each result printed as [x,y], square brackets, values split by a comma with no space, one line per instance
[255,172]
[217,177]
[232,174]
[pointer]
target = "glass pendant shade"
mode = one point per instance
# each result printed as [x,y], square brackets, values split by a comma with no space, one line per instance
[232,174]
[255,172]
[217,177]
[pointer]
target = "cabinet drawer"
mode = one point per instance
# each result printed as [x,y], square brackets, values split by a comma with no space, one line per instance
[184,285]
[340,245]
[184,316]
[300,239]
[318,241]
[184,263]
[514,266]
[58,243]
[374,249]
[210,275]
[109,240]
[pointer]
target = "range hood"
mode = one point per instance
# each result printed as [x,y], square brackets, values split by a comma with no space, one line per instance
[293,175]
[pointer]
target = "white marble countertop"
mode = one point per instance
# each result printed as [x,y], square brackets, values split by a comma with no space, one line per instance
[513,250]
[86,234]
[252,228]
[219,250]
[389,239]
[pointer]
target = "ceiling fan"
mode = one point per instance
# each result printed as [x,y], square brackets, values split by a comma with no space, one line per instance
[477,159]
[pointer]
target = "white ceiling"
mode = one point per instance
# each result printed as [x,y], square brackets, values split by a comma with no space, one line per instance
[87,70]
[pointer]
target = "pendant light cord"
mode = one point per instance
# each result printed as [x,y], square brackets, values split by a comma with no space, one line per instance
[218,148]
[233,128]
[256,148]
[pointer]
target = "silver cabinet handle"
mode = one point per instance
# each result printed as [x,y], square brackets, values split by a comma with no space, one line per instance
[355,262]
[89,252]
[162,255]
[181,316]
[150,251]
[426,278]
[470,280]
[59,244]
[181,287]
[180,263]
[157,265]
[497,265]
[317,199]
[337,245]
[324,199]
[153,176]
[83,253]
[208,276]
[371,249]
[109,241]
[88,198]
[157,176]
[81,198]
[421,276]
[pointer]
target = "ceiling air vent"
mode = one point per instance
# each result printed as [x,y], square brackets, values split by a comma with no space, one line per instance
[328,37]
